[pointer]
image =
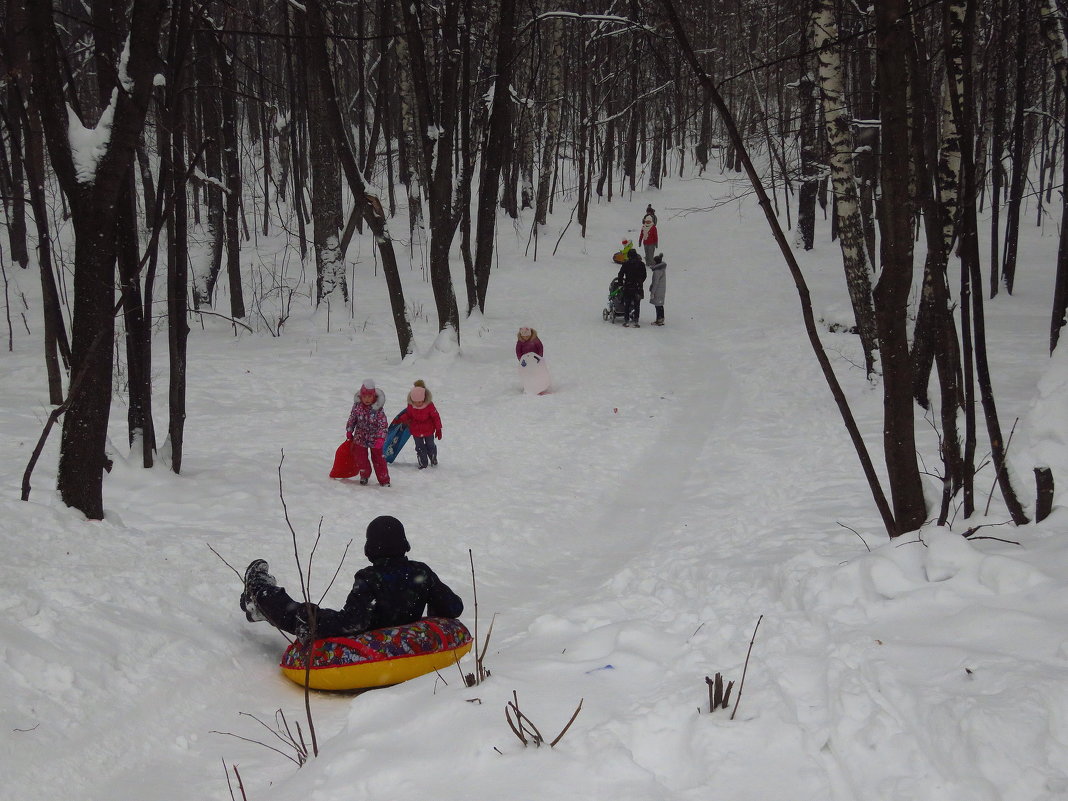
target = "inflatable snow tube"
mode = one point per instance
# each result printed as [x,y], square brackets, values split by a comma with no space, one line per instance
[380,657]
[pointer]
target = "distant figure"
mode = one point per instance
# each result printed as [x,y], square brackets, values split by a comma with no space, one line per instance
[651,212]
[366,429]
[649,237]
[424,422]
[658,286]
[632,276]
[527,342]
[392,591]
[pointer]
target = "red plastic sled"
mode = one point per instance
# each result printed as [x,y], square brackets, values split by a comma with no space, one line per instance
[344,462]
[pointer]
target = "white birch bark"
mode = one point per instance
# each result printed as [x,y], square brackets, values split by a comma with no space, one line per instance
[839,141]
[949,146]
[1052,21]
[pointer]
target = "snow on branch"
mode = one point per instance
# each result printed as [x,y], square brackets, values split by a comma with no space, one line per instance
[601,18]
[88,145]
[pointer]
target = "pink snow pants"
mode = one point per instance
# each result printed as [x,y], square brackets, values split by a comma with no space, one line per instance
[377,459]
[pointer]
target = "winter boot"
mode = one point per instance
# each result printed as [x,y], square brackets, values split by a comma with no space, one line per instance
[257,579]
[434,461]
[364,480]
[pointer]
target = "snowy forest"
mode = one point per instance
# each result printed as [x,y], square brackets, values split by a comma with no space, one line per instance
[834,479]
[149,147]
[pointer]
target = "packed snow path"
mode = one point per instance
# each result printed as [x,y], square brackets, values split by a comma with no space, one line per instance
[628,531]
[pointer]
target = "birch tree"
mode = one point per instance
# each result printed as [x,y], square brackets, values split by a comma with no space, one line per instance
[839,141]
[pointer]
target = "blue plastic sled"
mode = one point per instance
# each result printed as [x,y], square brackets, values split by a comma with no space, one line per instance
[396,435]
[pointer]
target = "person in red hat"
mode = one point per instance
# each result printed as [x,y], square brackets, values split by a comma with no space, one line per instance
[366,430]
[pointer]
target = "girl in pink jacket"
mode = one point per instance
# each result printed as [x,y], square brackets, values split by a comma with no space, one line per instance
[366,430]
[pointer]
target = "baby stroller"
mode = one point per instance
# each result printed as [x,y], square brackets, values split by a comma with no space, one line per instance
[614,307]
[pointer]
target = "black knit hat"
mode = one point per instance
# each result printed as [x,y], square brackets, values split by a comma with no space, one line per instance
[385,537]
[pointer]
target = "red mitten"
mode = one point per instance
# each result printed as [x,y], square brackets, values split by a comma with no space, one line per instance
[379,444]
[438,433]
[348,435]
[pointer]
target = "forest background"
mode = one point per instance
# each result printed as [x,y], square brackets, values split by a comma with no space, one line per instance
[148,147]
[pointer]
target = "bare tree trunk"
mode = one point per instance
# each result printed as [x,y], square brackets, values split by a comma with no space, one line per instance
[94,201]
[326,197]
[205,271]
[1053,25]
[500,124]
[895,281]
[412,177]
[1019,152]
[1000,53]
[177,244]
[935,338]
[17,222]
[369,205]
[437,111]
[969,250]
[850,225]
[231,165]
[554,94]
[810,168]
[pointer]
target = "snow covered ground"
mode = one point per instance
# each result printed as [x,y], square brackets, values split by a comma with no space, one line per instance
[628,531]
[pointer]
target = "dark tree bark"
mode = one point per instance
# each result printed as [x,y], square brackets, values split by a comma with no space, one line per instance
[437,110]
[935,337]
[892,289]
[369,205]
[326,199]
[493,154]
[231,166]
[208,98]
[970,268]
[1018,151]
[15,194]
[810,167]
[177,235]
[94,200]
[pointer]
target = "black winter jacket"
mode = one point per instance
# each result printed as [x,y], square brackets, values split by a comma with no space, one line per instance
[390,592]
[632,273]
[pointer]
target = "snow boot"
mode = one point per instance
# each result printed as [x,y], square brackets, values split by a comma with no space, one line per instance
[257,579]
[364,479]
[433,461]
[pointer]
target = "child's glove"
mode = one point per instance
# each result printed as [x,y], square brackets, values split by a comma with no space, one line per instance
[379,444]
[348,435]
[437,434]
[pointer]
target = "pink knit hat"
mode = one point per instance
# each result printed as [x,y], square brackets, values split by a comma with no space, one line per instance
[368,388]
[418,394]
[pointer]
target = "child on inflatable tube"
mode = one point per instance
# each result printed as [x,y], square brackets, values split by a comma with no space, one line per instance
[392,591]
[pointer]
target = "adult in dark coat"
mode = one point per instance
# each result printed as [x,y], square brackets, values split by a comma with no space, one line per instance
[632,276]
[392,591]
